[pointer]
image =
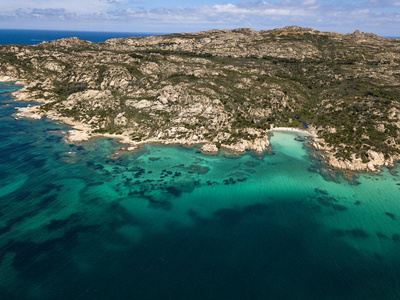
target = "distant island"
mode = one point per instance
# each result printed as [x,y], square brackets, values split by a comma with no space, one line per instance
[221,88]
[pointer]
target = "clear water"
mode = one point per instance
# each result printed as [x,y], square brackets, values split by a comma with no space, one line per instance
[167,222]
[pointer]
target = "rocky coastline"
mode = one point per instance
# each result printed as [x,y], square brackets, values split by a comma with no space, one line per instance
[82,132]
[221,89]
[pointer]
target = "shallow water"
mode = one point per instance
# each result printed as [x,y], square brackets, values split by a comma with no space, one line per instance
[167,222]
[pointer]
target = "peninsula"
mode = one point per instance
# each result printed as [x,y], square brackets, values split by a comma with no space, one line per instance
[221,88]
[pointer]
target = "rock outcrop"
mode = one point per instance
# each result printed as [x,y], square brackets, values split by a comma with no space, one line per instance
[221,88]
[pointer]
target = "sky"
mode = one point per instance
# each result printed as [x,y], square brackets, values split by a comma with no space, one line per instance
[377,16]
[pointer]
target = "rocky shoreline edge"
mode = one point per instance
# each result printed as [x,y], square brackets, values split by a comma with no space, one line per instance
[82,132]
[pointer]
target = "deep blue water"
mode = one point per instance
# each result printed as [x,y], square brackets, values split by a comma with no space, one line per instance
[167,222]
[33,37]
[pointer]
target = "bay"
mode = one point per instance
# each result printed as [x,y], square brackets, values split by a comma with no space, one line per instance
[168,222]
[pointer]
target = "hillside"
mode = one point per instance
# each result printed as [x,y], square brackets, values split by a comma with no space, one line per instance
[222,88]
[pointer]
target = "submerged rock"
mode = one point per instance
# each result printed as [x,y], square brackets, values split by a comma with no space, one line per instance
[390,215]
[199,169]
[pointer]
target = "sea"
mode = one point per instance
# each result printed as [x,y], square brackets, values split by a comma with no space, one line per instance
[78,221]
[33,37]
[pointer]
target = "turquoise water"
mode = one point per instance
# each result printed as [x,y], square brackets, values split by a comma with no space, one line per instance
[167,222]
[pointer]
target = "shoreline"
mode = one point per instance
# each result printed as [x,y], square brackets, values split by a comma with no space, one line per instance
[81,132]
[292,129]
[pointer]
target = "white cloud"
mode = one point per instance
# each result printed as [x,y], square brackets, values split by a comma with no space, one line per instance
[309,2]
[259,15]
[116,1]
[229,8]
[260,9]
[78,6]
[361,12]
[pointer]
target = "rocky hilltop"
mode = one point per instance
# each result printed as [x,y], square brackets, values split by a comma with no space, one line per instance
[221,88]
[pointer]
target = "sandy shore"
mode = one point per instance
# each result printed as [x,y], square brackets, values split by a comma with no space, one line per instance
[291,129]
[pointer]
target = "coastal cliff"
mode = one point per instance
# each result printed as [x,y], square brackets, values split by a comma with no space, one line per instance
[221,88]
